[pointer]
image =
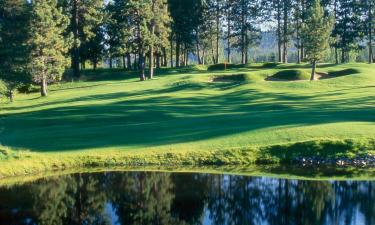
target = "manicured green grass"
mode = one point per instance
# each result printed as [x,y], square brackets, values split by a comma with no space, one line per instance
[184,111]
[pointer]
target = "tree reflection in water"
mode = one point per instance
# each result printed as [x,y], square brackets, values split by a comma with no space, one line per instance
[172,198]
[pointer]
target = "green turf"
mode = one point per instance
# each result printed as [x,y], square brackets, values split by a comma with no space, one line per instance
[186,110]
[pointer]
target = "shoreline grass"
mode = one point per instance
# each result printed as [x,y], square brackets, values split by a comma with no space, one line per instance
[28,163]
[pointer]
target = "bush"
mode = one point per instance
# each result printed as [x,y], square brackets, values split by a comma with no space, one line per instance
[28,88]
[290,75]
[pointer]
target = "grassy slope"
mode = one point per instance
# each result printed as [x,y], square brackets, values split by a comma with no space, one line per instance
[181,111]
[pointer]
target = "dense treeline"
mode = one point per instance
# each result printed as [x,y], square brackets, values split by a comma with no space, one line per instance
[39,39]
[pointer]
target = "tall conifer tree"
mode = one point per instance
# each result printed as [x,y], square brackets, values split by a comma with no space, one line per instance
[14,51]
[315,34]
[48,43]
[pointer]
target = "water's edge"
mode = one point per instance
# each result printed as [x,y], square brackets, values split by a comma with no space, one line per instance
[271,171]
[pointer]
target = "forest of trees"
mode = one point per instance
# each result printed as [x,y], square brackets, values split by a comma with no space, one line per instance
[41,39]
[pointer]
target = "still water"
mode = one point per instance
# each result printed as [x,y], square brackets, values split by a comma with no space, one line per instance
[186,198]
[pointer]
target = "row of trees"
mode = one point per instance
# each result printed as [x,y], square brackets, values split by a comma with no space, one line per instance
[37,38]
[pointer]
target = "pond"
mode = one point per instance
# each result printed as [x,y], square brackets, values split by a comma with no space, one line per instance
[186,198]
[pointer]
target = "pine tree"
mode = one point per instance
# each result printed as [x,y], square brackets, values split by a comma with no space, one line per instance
[349,27]
[246,15]
[93,50]
[141,16]
[158,30]
[316,31]
[274,8]
[119,31]
[212,27]
[48,43]
[229,15]
[185,15]
[14,51]
[85,17]
[369,11]
[208,32]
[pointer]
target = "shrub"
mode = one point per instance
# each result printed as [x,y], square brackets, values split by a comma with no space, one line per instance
[28,88]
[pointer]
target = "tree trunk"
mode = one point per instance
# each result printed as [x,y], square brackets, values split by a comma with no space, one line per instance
[303,21]
[212,53]
[128,60]
[142,65]
[298,33]
[198,49]
[124,62]
[279,43]
[246,48]
[186,57]
[178,48]
[183,57]
[216,61]
[336,50]
[285,33]
[344,44]
[95,65]
[370,53]
[11,95]
[164,57]
[151,64]
[228,38]
[75,51]
[243,32]
[171,51]
[136,64]
[151,54]
[43,87]
[110,62]
[158,61]
[313,70]
[298,56]
[203,56]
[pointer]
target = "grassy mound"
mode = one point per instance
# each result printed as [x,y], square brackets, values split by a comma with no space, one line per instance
[222,66]
[290,75]
[230,78]
[269,65]
[344,72]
